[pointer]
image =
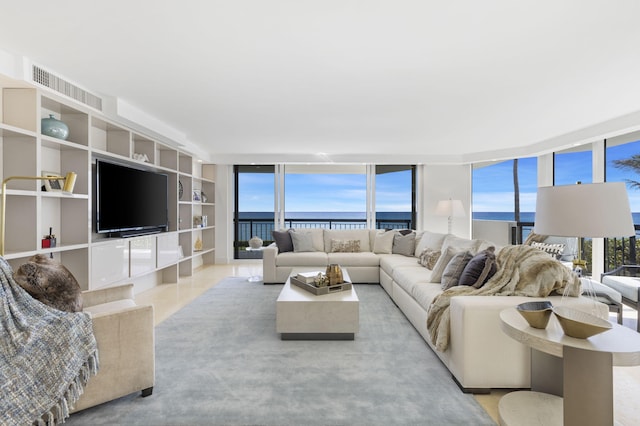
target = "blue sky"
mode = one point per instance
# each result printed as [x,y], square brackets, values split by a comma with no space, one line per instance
[326,192]
[492,186]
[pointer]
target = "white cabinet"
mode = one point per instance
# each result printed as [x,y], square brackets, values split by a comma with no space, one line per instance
[168,252]
[109,262]
[142,255]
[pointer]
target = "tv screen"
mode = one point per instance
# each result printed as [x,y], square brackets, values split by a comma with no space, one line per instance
[130,201]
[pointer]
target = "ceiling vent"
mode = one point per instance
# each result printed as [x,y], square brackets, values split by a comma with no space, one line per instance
[60,85]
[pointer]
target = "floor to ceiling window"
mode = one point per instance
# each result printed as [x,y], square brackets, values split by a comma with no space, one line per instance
[395,204]
[254,206]
[506,190]
[623,165]
[329,196]
[573,165]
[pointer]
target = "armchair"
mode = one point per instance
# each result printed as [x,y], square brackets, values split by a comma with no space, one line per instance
[626,280]
[125,335]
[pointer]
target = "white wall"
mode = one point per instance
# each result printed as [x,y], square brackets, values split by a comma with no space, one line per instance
[224,213]
[441,183]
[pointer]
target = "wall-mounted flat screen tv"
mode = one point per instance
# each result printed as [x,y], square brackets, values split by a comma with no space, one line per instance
[130,201]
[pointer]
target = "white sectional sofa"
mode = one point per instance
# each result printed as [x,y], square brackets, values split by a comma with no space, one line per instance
[479,355]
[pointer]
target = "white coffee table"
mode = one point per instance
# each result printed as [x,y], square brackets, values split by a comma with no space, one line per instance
[301,315]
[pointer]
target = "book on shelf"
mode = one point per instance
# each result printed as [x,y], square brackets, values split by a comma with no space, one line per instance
[307,277]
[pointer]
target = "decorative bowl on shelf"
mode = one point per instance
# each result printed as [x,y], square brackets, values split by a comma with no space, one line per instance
[537,314]
[578,324]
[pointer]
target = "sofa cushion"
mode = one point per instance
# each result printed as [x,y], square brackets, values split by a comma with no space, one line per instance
[454,268]
[429,240]
[283,241]
[389,262]
[424,293]
[461,244]
[479,269]
[383,242]
[404,244]
[317,236]
[309,258]
[115,306]
[429,257]
[302,241]
[365,258]
[408,276]
[361,235]
[626,286]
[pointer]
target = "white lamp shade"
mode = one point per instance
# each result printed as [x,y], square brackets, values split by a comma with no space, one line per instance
[584,210]
[452,208]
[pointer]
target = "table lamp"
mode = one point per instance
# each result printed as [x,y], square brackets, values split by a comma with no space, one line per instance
[596,210]
[450,208]
[69,183]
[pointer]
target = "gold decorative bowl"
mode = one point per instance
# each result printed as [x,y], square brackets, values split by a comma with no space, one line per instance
[537,314]
[580,324]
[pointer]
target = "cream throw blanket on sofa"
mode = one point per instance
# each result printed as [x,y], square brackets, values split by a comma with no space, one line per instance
[522,271]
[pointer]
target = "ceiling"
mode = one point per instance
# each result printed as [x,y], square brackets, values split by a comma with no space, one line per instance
[385,81]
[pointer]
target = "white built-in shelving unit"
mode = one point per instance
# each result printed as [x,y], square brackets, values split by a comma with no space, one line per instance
[95,260]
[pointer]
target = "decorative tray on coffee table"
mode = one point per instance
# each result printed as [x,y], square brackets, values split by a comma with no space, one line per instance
[311,287]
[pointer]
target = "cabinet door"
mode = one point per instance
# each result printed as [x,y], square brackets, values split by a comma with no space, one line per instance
[109,263]
[167,249]
[142,255]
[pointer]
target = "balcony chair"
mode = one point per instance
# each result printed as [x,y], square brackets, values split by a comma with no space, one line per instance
[625,279]
[125,335]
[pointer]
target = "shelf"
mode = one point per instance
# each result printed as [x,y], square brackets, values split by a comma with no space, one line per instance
[93,258]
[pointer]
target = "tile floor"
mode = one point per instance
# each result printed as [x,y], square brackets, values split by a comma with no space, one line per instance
[168,299]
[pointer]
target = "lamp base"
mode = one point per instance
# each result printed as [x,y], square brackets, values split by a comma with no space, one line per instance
[579,266]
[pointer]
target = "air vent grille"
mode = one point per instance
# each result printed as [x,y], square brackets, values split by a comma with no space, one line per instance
[52,81]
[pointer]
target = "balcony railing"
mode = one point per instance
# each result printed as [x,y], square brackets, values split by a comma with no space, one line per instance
[618,251]
[248,228]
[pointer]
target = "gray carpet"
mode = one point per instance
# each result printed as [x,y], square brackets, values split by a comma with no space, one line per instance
[219,361]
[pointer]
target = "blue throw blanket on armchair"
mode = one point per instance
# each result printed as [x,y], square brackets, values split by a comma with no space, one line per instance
[46,356]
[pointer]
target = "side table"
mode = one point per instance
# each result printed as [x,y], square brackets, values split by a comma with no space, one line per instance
[254,278]
[583,373]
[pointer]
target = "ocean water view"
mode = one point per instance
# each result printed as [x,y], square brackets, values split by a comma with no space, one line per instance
[261,223]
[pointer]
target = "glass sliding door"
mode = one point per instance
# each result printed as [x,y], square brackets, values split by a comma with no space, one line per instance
[253,207]
[395,197]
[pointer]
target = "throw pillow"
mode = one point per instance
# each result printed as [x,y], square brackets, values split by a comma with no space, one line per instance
[479,269]
[454,269]
[283,241]
[446,255]
[404,244]
[554,250]
[533,237]
[383,243]
[430,240]
[49,282]
[429,257]
[345,246]
[302,241]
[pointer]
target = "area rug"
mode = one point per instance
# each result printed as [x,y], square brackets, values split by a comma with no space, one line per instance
[219,361]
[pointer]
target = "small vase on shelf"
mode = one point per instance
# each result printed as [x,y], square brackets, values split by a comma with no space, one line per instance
[54,128]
